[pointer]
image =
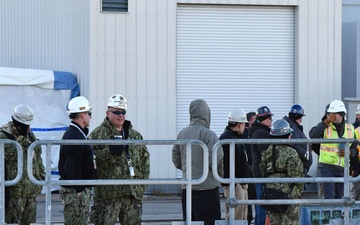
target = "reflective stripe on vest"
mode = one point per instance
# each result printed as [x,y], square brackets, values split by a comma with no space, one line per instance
[329,152]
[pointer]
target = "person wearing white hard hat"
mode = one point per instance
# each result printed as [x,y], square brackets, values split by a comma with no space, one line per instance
[234,130]
[123,202]
[21,208]
[77,162]
[331,155]
[356,124]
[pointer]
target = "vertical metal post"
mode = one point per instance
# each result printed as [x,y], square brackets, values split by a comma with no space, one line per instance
[346,182]
[48,184]
[188,184]
[2,183]
[232,183]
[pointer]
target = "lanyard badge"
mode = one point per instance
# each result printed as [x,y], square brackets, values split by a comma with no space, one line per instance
[131,169]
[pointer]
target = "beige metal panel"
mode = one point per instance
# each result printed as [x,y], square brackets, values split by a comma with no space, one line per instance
[319,63]
[142,57]
[142,54]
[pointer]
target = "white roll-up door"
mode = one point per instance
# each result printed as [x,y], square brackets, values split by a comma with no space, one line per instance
[234,56]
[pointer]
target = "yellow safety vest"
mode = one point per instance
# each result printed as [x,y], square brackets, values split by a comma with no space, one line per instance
[357,133]
[329,152]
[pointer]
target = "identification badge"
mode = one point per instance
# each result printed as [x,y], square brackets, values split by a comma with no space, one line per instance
[131,169]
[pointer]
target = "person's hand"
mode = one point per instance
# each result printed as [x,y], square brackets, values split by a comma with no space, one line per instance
[330,118]
[342,152]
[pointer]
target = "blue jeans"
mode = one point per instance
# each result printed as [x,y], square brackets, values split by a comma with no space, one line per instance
[332,190]
[260,213]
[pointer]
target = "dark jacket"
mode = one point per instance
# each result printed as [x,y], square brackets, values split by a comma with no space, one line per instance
[356,123]
[317,132]
[245,135]
[241,164]
[301,149]
[258,131]
[76,162]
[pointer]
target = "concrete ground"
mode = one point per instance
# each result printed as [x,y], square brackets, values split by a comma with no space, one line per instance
[159,210]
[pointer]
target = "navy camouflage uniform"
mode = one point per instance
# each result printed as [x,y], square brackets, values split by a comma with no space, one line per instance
[288,164]
[22,204]
[119,201]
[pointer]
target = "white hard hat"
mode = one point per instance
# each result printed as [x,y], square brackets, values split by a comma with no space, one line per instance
[237,115]
[79,104]
[358,109]
[117,101]
[337,106]
[23,114]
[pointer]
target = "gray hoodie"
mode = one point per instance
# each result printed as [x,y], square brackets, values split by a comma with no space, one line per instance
[198,129]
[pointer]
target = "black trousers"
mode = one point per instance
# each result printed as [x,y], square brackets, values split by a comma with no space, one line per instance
[205,206]
[251,195]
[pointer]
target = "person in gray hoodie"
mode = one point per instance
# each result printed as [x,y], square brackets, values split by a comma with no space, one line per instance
[205,203]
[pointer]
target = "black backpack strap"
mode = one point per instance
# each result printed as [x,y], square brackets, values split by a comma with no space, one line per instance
[8,135]
[274,158]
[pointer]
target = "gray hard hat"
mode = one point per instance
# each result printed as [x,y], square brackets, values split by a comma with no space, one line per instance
[280,128]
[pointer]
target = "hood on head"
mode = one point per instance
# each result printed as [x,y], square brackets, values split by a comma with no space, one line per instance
[200,112]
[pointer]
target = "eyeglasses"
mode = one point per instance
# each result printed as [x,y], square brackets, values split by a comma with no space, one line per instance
[270,118]
[89,113]
[118,112]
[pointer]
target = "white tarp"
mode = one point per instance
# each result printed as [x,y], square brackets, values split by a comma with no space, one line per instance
[47,93]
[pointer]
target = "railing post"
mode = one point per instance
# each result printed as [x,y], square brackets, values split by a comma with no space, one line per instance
[3,182]
[346,202]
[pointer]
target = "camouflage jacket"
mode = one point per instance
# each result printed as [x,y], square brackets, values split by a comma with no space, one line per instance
[111,166]
[25,188]
[287,163]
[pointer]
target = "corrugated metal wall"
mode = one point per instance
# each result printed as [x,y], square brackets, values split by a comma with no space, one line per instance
[134,54]
[234,56]
[319,57]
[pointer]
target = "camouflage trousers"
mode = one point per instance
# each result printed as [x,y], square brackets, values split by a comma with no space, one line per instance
[76,207]
[21,211]
[290,217]
[127,208]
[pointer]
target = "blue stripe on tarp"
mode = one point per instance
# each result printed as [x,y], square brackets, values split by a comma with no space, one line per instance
[54,172]
[49,129]
[66,80]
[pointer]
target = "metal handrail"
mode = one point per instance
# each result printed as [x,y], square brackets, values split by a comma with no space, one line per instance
[188,181]
[347,201]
